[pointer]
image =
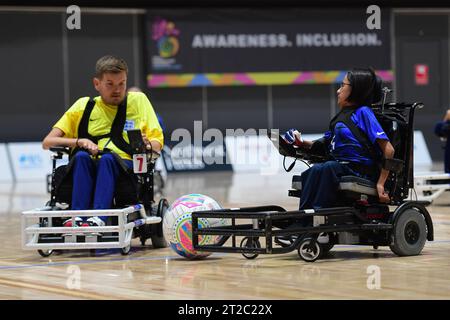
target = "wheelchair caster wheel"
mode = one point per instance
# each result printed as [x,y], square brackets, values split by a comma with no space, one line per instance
[157,232]
[45,253]
[125,250]
[308,251]
[143,240]
[250,242]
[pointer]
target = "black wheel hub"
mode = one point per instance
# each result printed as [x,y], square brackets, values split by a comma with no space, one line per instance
[412,232]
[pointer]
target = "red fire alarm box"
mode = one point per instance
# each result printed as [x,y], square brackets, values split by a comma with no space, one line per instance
[421,74]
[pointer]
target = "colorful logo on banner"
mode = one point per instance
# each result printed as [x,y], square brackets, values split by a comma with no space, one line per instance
[165,34]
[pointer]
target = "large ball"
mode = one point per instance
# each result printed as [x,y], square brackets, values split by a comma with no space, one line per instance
[177,224]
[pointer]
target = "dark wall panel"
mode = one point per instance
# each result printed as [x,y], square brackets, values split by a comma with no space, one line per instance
[31,80]
[178,107]
[237,107]
[100,35]
[424,40]
[307,108]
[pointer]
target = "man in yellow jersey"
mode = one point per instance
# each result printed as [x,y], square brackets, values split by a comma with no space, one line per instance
[101,123]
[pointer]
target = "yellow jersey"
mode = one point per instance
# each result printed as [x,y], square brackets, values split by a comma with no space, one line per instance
[140,115]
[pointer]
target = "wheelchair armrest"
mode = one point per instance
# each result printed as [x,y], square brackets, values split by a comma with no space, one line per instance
[394,165]
[319,148]
[60,150]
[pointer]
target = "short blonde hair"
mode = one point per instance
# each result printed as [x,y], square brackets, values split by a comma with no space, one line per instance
[110,64]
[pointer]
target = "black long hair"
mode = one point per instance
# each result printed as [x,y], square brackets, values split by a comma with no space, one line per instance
[366,86]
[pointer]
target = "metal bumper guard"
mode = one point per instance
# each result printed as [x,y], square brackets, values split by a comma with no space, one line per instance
[35,236]
[262,223]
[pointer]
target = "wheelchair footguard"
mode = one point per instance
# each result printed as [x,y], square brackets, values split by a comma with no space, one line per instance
[43,230]
[404,230]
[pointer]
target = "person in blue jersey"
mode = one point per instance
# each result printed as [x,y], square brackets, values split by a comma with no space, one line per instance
[442,130]
[350,156]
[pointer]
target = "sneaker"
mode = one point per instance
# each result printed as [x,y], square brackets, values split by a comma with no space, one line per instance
[68,222]
[93,222]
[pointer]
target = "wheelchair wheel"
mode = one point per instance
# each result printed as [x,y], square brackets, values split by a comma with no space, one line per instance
[45,253]
[308,251]
[250,242]
[157,235]
[125,250]
[409,233]
[326,247]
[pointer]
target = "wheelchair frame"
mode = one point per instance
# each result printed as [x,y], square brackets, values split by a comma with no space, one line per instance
[343,225]
[142,219]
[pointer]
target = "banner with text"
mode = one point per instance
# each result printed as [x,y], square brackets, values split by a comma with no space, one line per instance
[250,47]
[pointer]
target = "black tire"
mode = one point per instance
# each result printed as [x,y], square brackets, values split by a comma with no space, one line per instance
[45,253]
[308,251]
[326,247]
[157,236]
[125,250]
[250,242]
[409,233]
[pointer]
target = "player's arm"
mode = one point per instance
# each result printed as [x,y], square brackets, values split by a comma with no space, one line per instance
[388,153]
[56,139]
[151,130]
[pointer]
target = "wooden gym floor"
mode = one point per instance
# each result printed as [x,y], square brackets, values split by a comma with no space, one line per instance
[161,274]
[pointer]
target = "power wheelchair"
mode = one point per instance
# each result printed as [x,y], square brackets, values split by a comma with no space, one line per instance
[358,217]
[134,213]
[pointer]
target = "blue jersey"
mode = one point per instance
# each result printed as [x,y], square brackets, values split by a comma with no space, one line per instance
[343,144]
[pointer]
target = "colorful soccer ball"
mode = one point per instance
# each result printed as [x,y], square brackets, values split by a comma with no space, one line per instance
[177,224]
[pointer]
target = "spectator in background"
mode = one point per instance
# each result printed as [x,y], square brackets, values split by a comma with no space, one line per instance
[442,130]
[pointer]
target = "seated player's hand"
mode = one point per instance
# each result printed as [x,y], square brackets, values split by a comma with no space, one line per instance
[88,145]
[293,136]
[155,155]
[147,143]
[383,196]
